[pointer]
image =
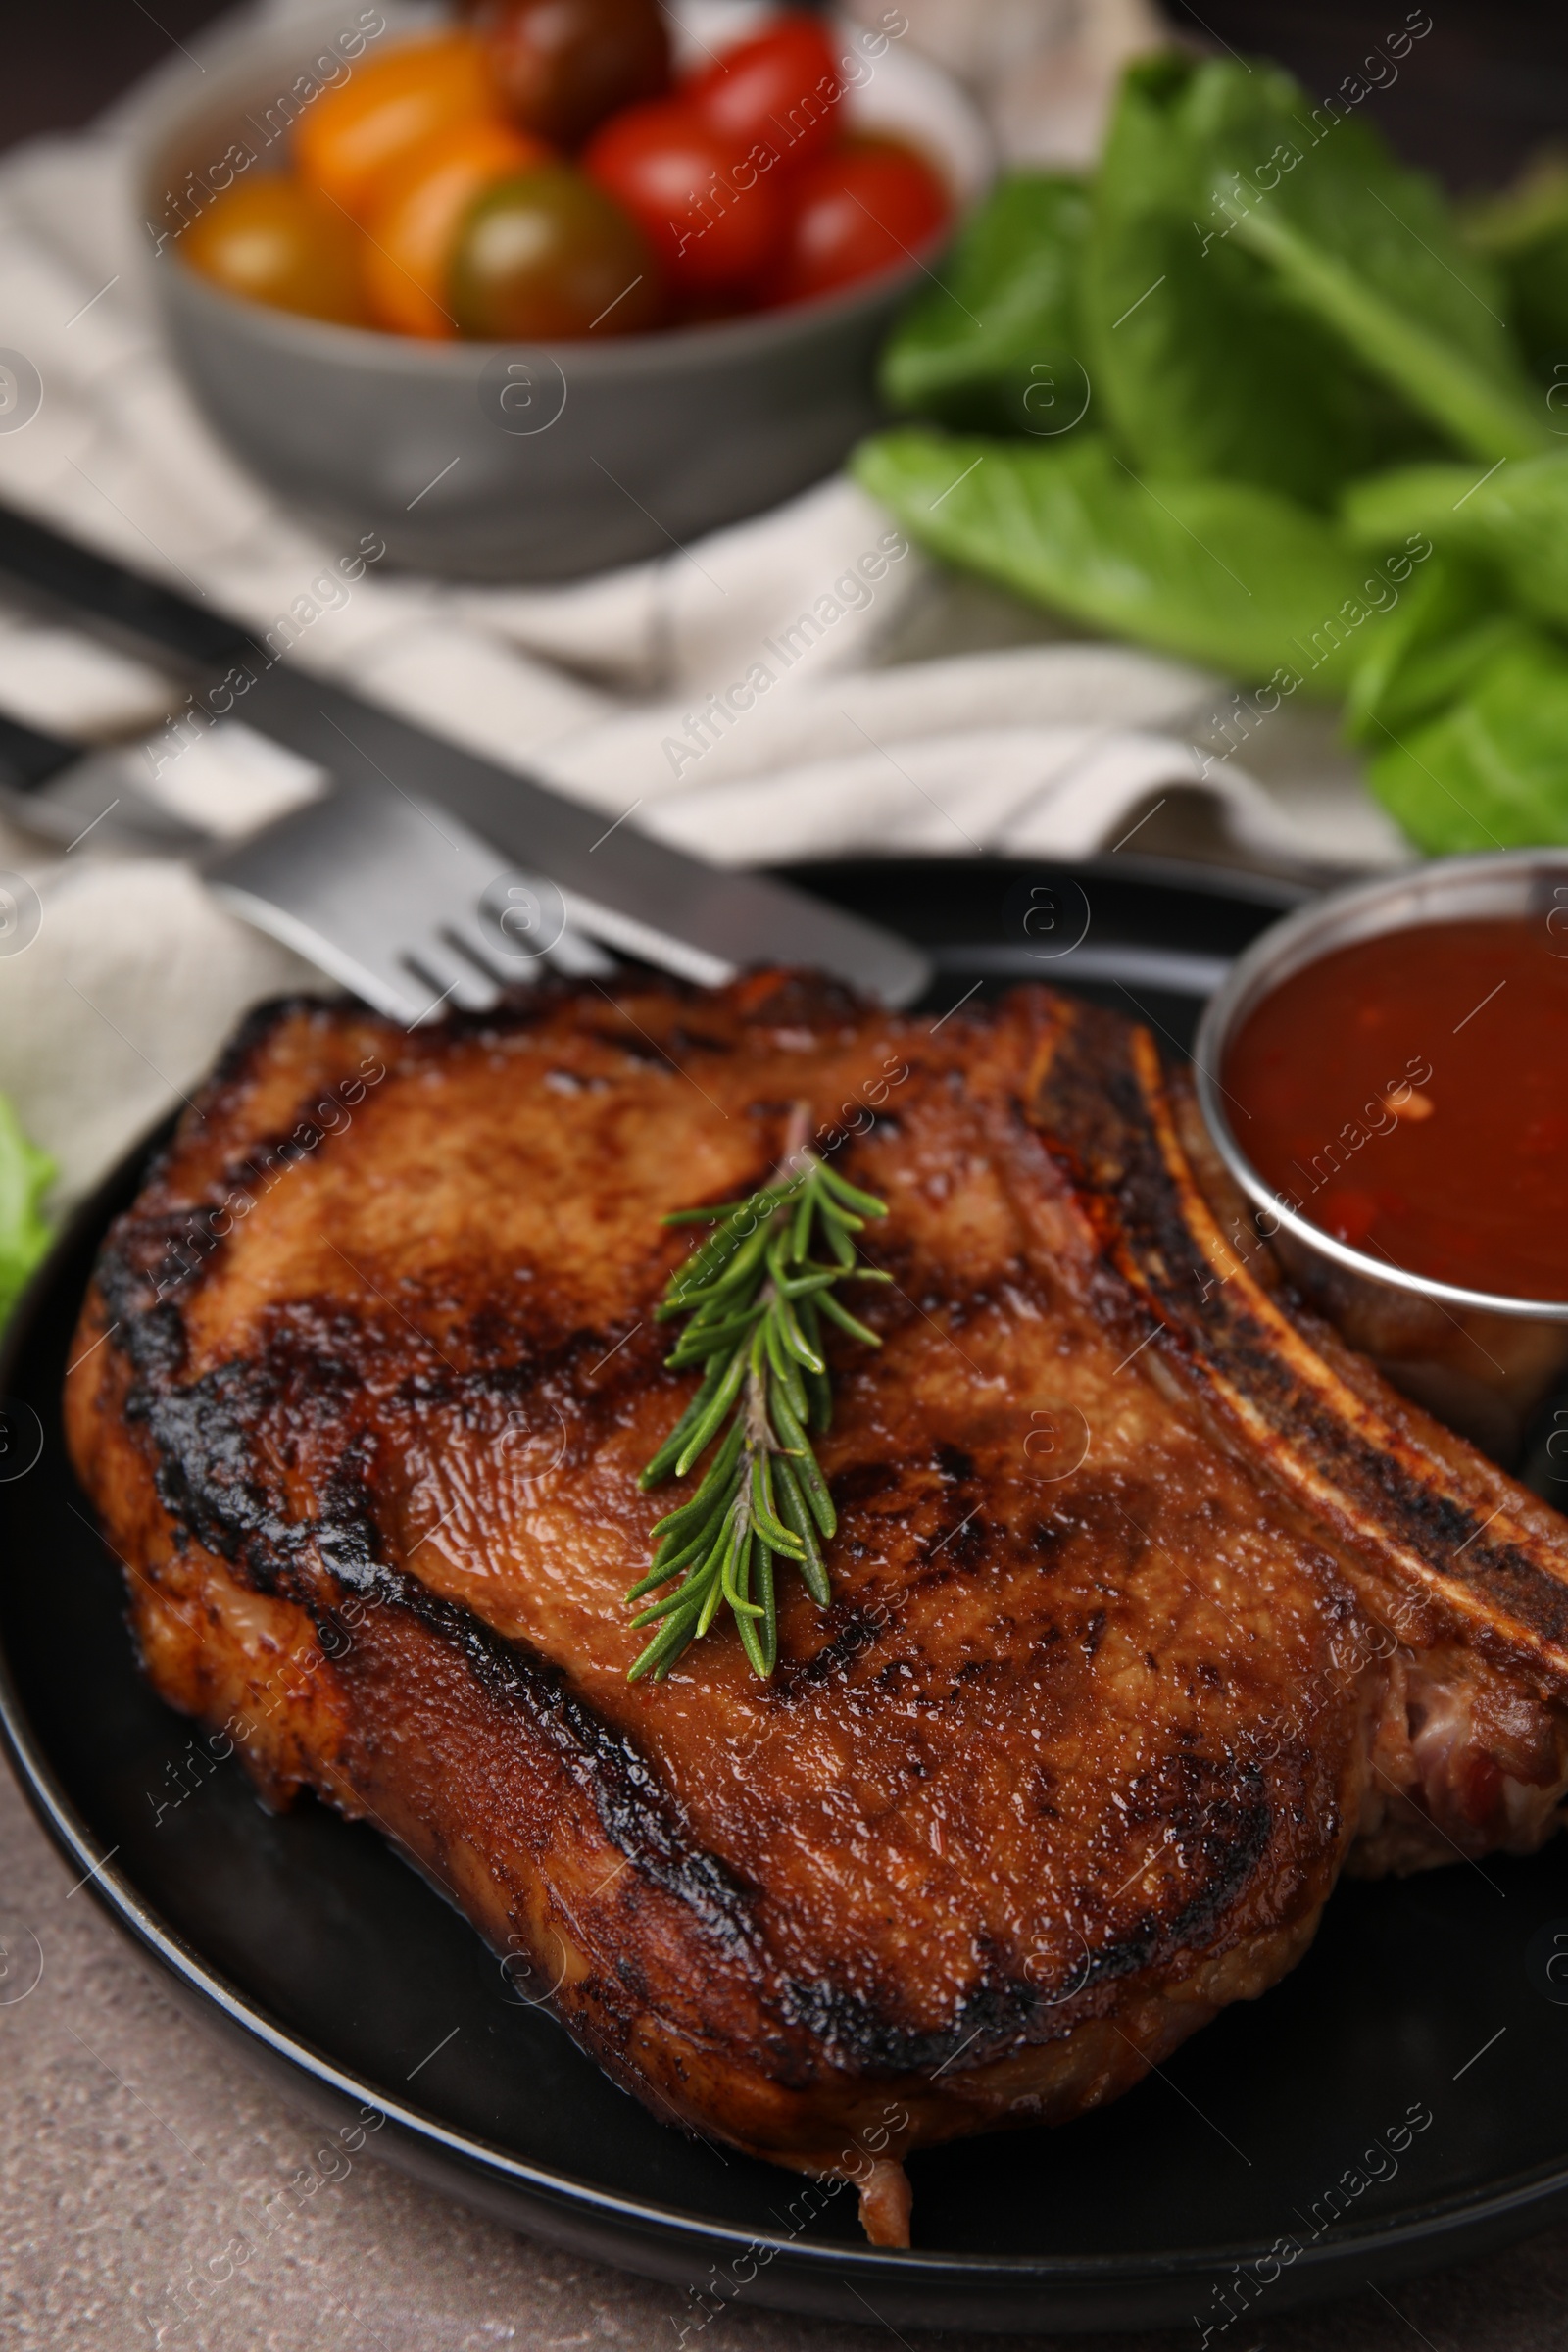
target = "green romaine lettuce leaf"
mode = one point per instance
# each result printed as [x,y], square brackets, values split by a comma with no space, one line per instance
[1219,573]
[1479,399]
[1451,621]
[25,1174]
[1270,297]
[1406,498]
[1514,518]
[1523,235]
[1491,771]
[998,345]
[1201,364]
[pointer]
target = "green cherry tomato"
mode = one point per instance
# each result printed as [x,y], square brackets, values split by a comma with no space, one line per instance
[547,254]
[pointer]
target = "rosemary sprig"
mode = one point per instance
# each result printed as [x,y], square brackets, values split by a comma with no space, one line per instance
[755,1297]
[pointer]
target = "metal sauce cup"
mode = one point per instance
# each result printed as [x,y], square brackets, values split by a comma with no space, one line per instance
[1479,1360]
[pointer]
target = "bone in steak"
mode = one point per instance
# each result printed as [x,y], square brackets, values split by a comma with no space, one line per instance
[1153,1609]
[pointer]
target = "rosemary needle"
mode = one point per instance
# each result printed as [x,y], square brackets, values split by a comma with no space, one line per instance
[754,1297]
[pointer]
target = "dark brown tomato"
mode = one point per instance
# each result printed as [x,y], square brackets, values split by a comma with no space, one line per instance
[559,67]
[548,254]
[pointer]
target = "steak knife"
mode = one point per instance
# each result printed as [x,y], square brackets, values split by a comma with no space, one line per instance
[632,894]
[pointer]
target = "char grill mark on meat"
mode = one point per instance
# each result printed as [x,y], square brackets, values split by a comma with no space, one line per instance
[1461,1539]
[1041,1793]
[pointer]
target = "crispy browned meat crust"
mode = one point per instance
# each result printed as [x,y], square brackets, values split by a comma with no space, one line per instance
[1147,1593]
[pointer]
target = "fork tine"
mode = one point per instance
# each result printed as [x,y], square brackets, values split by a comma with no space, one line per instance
[468,940]
[453,976]
[397,901]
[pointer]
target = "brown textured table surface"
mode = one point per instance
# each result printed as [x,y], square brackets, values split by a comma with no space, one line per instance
[134,2150]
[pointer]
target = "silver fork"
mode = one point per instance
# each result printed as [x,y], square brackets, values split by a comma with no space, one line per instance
[380,882]
[419,878]
[403,905]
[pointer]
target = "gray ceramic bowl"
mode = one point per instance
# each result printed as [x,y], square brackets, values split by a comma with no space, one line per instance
[1480,1360]
[493,461]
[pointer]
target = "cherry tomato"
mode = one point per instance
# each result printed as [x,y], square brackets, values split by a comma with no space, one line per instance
[548,253]
[559,67]
[780,90]
[414,229]
[867,207]
[346,140]
[713,217]
[274,240]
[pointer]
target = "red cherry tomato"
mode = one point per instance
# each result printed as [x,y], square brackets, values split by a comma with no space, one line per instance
[712,214]
[781,90]
[867,207]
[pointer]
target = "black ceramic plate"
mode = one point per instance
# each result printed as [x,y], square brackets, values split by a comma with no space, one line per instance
[1400,2101]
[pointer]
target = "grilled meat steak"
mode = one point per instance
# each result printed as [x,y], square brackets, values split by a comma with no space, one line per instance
[1153,1606]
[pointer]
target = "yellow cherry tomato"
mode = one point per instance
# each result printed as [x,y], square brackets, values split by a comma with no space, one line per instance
[276,241]
[414,229]
[347,140]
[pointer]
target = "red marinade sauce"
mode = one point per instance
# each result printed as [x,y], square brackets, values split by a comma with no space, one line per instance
[1410,1095]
